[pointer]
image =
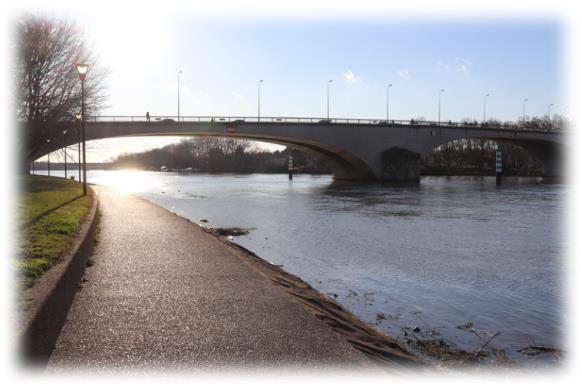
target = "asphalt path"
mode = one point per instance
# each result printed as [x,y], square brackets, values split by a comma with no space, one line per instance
[164,294]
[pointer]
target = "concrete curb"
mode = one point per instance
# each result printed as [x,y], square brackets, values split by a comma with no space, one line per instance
[53,294]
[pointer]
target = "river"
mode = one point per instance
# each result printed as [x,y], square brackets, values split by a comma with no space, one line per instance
[437,255]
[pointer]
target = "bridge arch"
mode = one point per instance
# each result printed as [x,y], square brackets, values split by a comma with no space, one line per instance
[344,165]
[547,152]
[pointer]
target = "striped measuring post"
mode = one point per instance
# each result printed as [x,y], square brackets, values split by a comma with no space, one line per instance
[290,167]
[498,166]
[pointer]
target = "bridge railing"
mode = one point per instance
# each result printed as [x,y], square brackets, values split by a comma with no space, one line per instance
[312,120]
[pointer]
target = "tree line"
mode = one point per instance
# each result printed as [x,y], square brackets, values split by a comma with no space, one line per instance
[477,157]
[221,155]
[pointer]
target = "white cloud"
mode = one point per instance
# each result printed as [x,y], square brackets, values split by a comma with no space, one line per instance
[442,65]
[404,73]
[349,76]
[236,95]
[464,61]
[463,65]
[463,68]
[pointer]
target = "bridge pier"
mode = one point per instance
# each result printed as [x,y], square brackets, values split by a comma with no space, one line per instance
[550,155]
[399,164]
[552,167]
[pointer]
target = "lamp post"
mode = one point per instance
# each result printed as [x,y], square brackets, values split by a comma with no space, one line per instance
[328,82]
[78,118]
[65,150]
[179,72]
[485,108]
[48,157]
[525,100]
[82,70]
[388,103]
[259,100]
[549,116]
[440,93]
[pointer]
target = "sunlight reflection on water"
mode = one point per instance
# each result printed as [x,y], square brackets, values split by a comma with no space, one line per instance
[127,181]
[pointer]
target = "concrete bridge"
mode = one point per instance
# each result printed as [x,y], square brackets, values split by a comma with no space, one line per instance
[359,149]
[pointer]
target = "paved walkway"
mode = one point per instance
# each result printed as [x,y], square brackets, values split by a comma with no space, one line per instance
[164,294]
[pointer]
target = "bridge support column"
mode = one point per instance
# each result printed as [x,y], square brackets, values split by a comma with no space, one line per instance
[551,157]
[398,164]
[552,167]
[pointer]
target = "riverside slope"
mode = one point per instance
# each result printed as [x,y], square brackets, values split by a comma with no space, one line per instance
[165,294]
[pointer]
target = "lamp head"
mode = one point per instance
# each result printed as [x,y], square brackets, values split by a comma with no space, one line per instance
[82,70]
[78,115]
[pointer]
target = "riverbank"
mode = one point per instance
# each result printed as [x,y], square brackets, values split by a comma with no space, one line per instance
[377,345]
[436,255]
[51,211]
[57,235]
[164,294]
[427,343]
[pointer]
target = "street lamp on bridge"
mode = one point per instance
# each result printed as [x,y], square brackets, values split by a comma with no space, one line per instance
[259,100]
[388,102]
[485,108]
[328,82]
[82,70]
[440,93]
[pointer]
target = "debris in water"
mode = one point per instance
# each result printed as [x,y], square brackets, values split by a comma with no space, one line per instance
[536,350]
[465,326]
[230,231]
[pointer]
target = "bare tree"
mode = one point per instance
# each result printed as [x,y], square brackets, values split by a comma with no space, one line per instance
[47,85]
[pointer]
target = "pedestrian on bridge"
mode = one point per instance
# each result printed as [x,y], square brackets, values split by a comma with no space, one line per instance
[147,116]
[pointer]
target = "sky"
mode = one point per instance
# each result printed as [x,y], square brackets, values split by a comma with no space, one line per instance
[223,59]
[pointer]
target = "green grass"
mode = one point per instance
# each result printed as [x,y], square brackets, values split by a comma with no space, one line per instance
[46,233]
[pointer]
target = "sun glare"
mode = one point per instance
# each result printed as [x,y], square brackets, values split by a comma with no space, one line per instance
[128,181]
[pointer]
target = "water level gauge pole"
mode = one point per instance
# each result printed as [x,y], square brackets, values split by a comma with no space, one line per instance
[290,167]
[498,167]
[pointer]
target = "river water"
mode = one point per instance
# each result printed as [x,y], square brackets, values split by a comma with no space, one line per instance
[437,255]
